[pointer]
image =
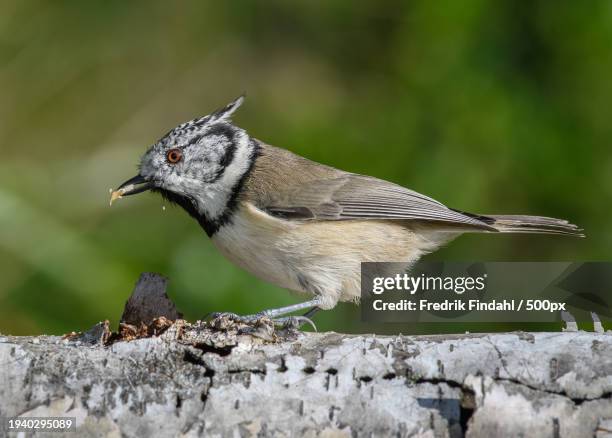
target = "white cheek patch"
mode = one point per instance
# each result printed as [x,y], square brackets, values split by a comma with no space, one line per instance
[184,186]
[241,162]
[216,146]
[204,158]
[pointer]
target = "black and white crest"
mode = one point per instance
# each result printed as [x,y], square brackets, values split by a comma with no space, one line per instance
[219,117]
[215,158]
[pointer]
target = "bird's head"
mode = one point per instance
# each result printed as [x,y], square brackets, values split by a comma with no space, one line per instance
[199,165]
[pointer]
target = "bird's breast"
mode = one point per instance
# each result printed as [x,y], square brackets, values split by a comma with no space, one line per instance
[256,241]
[319,257]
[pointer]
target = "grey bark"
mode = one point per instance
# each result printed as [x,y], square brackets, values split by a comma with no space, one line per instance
[222,380]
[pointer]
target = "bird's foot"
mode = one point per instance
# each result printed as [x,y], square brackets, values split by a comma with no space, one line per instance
[245,319]
[287,323]
[294,322]
[270,318]
[258,326]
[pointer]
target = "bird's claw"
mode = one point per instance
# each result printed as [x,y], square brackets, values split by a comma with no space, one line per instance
[294,322]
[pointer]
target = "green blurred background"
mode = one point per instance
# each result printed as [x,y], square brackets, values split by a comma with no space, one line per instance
[490,107]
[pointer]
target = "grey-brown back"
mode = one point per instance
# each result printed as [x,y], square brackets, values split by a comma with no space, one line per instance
[295,188]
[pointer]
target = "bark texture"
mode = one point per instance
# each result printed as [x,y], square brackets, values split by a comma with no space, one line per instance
[181,379]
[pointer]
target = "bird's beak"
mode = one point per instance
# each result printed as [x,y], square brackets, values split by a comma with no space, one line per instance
[132,186]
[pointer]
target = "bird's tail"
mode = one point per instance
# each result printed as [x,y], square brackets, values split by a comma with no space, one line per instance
[528,224]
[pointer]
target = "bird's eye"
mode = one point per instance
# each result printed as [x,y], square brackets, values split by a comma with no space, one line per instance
[174,156]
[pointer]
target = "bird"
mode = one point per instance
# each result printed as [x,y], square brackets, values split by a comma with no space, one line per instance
[296,223]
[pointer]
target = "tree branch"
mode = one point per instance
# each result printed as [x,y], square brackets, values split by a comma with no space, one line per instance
[224,378]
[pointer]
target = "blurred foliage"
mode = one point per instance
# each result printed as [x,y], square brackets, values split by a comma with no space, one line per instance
[492,107]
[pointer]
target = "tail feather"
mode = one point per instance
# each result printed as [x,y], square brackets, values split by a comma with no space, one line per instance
[528,224]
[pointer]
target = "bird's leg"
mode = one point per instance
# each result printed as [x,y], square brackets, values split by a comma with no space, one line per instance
[276,314]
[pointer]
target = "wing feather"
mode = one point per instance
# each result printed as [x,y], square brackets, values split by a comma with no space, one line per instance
[352,196]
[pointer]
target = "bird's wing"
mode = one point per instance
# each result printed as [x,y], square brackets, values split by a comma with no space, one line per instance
[352,196]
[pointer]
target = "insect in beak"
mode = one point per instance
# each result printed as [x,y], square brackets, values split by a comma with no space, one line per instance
[132,186]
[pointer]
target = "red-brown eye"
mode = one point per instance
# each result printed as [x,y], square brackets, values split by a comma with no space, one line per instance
[174,156]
